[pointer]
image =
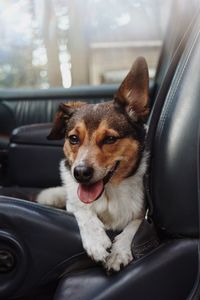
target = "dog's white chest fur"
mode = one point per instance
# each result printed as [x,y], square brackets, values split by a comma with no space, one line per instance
[120,204]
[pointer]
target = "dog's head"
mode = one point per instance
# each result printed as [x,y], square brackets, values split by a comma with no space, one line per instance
[103,142]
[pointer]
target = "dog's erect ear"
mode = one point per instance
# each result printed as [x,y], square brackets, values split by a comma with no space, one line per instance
[65,111]
[132,94]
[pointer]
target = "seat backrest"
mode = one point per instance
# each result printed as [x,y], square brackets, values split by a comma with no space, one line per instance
[175,164]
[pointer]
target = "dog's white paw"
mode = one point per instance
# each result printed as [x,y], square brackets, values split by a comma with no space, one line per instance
[96,247]
[117,260]
[55,197]
[119,257]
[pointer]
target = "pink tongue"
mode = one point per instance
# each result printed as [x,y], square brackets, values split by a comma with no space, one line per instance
[89,193]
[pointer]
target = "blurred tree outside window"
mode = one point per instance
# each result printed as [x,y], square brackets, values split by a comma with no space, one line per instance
[60,43]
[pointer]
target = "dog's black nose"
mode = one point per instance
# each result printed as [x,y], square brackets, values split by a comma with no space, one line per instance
[83,173]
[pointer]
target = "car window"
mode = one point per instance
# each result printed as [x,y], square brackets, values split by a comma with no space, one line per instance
[59,43]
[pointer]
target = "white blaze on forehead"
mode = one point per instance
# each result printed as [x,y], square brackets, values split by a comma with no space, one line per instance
[82,156]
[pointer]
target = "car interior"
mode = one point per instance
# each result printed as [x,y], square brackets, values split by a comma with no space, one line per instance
[36,260]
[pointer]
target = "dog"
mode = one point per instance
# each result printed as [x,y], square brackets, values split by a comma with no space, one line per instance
[105,162]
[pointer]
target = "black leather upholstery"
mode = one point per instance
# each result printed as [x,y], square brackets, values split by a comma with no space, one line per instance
[33,165]
[39,239]
[30,154]
[176,149]
[155,277]
[34,134]
[46,243]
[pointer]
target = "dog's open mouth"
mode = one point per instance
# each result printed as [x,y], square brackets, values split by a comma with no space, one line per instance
[90,193]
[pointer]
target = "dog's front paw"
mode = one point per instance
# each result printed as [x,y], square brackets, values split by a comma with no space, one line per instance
[97,248]
[119,257]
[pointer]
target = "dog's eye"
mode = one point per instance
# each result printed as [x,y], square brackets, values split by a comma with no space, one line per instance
[73,139]
[110,140]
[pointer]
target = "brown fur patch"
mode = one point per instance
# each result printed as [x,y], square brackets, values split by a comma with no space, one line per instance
[80,130]
[128,150]
[103,131]
[124,149]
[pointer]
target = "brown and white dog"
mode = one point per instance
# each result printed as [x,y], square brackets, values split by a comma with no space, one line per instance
[103,171]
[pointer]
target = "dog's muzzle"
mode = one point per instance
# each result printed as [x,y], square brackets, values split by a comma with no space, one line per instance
[87,192]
